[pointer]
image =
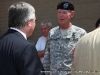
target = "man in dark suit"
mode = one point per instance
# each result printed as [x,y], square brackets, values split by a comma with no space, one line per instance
[17,55]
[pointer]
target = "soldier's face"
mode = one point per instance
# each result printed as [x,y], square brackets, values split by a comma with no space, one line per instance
[64,16]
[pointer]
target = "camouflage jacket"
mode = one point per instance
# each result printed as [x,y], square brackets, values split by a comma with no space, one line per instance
[58,57]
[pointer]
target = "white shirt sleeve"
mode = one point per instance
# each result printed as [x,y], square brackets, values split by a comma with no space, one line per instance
[41,43]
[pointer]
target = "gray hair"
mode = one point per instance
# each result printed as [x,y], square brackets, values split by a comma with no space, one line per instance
[46,21]
[20,13]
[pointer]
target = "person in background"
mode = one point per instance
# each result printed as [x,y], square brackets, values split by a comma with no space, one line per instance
[41,43]
[86,55]
[61,40]
[17,55]
[97,23]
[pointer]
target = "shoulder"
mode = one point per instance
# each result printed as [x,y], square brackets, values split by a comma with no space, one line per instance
[79,29]
[93,34]
[54,33]
[54,30]
[90,37]
[41,38]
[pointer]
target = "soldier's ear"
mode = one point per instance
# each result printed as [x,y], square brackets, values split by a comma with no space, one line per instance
[72,13]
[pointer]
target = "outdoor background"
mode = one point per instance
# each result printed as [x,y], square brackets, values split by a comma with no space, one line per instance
[86,14]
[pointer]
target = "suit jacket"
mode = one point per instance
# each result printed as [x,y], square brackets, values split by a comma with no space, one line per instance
[18,56]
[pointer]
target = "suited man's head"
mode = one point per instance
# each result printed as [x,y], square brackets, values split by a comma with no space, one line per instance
[22,16]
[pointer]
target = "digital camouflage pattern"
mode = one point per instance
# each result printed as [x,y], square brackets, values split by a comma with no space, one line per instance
[58,57]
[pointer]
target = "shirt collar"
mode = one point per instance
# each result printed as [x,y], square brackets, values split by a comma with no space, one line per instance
[19,32]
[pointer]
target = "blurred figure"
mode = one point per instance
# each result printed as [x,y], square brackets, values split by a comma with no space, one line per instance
[61,40]
[17,55]
[86,54]
[41,43]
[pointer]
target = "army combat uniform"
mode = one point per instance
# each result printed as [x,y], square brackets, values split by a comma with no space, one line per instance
[58,57]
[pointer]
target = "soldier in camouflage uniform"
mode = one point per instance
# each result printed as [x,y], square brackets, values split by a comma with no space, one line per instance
[61,40]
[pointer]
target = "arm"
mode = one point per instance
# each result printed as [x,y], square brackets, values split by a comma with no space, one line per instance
[46,62]
[41,53]
[29,62]
[40,46]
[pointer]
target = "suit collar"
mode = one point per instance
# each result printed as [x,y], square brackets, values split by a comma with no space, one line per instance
[19,31]
[11,31]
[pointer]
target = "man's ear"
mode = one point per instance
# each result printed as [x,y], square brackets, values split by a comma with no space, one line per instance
[28,23]
[72,13]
